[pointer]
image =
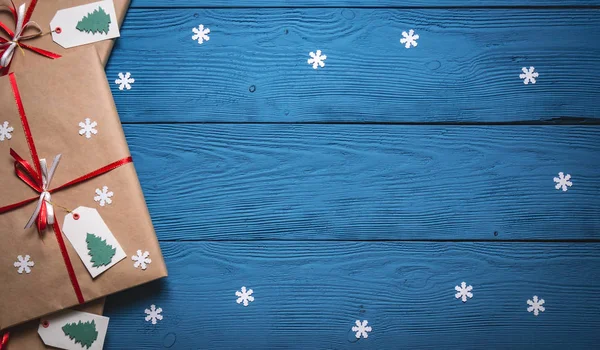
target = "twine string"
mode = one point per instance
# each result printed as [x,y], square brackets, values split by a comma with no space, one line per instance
[59,206]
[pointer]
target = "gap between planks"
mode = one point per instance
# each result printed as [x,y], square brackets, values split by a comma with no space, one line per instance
[489,7]
[552,121]
[376,240]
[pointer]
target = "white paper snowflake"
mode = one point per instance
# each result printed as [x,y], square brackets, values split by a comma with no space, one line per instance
[5,131]
[153,314]
[535,305]
[563,182]
[23,264]
[528,75]
[361,329]
[317,59]
[125,81]
[244,296]
[88,128]
[201,34]
[464,291]
[409,39]
[103,196]
[141,259]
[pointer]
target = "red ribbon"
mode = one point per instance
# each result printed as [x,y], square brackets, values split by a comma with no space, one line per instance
[4,341]
[33,177]
[11,34]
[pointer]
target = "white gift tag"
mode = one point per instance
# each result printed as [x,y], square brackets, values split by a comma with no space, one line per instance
[95,244]
[85,24]
[74,330]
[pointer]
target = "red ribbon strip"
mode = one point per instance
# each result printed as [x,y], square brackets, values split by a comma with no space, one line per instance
[33,178]
[4,341]
[11,34]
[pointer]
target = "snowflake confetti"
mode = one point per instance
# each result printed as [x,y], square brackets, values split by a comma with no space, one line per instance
[201,34]
[141,259]
[103,196]
[153,314]
[5,131]
[563,181]
[409,39]
[23,264]
[125,81]
[528,76]
[317,59]
[361,329]
[464,291]
[88,128]
[535,305]
[244,296]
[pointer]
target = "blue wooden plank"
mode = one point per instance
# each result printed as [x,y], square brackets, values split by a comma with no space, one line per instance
[359,3]
[308,295]
[364,182]
[254,68]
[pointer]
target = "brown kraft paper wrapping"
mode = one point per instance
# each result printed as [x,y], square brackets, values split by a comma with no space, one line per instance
[43,14]
[25,336]
[56,98]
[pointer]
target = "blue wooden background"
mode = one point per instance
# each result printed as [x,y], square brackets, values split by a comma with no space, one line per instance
[367,189]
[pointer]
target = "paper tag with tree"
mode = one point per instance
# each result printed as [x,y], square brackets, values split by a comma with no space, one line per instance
[93,241]
[75,330]
[85,24]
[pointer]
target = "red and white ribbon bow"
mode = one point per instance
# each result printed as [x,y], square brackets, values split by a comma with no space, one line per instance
[22,18]
[11,45]
[38,179]
[44,210]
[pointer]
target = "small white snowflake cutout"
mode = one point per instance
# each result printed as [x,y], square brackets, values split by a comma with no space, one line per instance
[244,296]
[528,75]
[141,259]
[103,196]
[5,131]
[88,128]
[535,305]
[409,39]
[361,329]
[201,34]
[23,264]
[125,81]
[563,181]
[317,60]
[464,292]
[153,314]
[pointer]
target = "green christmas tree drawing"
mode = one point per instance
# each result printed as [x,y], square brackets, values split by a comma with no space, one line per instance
[95,22]
[100,251]
[83,333]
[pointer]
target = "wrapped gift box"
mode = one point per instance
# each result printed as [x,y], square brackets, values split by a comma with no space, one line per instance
[25,336]
[57,98]
[42,15]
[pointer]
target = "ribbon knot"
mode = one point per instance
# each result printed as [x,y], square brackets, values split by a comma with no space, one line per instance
[44,211]
[39,180]
[12,44]
[23,22]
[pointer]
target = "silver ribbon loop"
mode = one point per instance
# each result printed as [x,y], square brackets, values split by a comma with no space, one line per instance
[45,195]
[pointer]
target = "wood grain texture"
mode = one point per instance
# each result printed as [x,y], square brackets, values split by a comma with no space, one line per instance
[308,295]
[329,223]
[359,3]
[365,182]
[465,68]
